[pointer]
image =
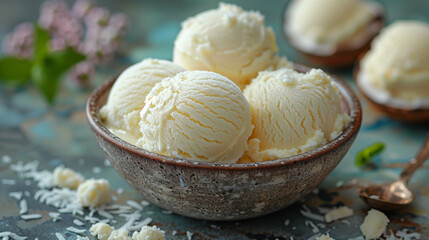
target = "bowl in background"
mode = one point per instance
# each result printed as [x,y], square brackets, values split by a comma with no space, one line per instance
[346,53]
[414,115]
[215,191]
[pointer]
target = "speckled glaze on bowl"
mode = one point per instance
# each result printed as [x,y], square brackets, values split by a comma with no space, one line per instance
[214,191]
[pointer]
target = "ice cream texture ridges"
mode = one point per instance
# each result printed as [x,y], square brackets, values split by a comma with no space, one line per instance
[228,41]
[127,96]
[398,62]
[197,115]
[292,113]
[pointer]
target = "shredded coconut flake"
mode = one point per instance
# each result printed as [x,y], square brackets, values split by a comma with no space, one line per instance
[31,216]
[287,222]
[16,195]
[78,222]
[313,226]
[6,181]
[6,159]
[6,235]
[307,213]
[59,236]
[189,235]
[23,207]
[134,204]
[76,230]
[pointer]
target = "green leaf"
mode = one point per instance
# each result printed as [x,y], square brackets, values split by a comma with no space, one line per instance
[15,71]
[41,44]
[364,156]
[47,72]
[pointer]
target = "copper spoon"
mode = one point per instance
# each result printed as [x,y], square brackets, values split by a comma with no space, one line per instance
[392,196]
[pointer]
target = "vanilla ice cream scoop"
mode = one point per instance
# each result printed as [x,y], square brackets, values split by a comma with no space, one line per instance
[396,69]
[320,26]
[228,41]
[197,115]
[292,113]
[121,113]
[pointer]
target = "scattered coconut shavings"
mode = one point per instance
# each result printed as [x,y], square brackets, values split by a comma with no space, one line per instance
[6,159]
[6,181]
[135,205]
[339,183]
[106,163]
[338,213]
[105,214]
[57,197]
[76,230]
[7,235]
[130,219]
[145,203]
[287,222]
[82,238]
[321,225]
[29,217]
[78,222]
[307,213]
[16,195]
[120,191]
[141,224]
[403,234]
[189,235]
[23,207]
[345,222]
[323,210]
[96,170]
[55,216]
[44,179]
[27,193]
[59,236]
[174,233]
[313,226]
[167,212]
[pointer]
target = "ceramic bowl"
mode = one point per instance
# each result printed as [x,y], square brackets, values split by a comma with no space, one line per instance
[346,53]
[214,191]
[416,115]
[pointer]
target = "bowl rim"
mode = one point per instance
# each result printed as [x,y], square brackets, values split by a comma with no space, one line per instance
[94,121]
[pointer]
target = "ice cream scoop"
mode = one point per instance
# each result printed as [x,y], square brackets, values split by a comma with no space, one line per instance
[228,40]
[126,99]
[196,115]
[292,113]
[332,32]
[395,72]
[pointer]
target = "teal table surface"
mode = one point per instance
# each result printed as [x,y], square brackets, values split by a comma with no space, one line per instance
[59,135]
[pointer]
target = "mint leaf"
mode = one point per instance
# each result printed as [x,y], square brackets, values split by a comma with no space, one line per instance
[364,156]
[63,60]
[15,71]
[41,44]
[47,72]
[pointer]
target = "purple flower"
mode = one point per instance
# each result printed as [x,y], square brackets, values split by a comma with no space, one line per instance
[97,16]
[82,73]
[81,8]
[20,42]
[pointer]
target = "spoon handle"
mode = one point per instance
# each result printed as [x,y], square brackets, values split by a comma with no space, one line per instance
[416,162]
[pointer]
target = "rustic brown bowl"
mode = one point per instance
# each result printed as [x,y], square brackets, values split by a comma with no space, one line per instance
[215,191]
[417,115]
[346,54]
